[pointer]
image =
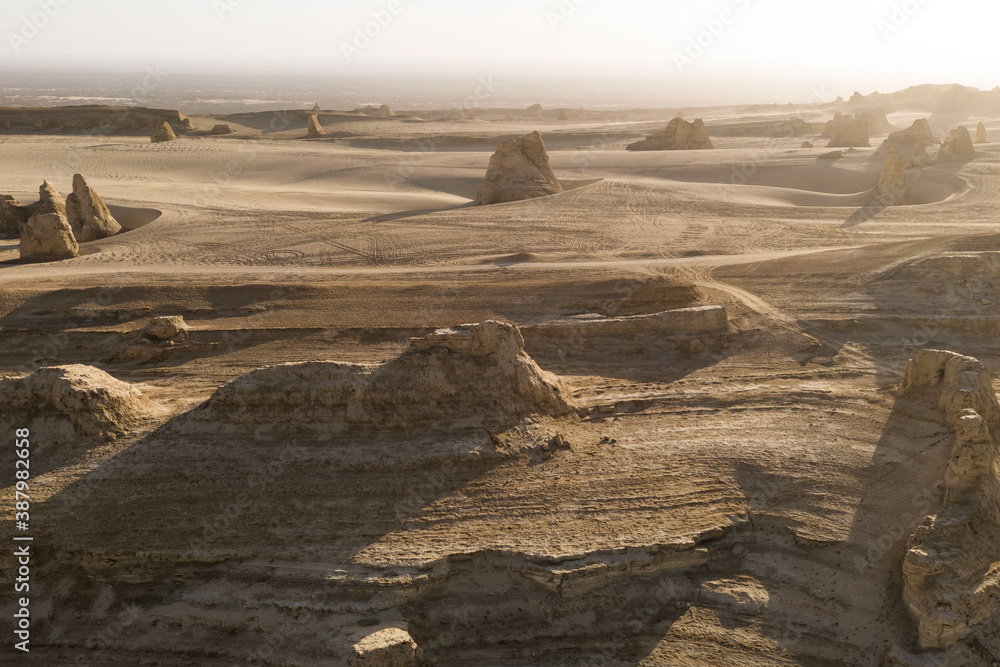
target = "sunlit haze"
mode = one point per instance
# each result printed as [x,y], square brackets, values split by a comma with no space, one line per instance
[766,50]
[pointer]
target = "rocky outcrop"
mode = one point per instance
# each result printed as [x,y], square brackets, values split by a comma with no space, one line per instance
[892,189]
[384,112]
[832,155]
[981,137]
[315,129]
[679,135]
[317,108]
[957,146]
[807,144]
[13,216]
[474,374]
[223,128]
[848,132]
[60,404]
[87,213]
[49,201]
[916,138]
[163,132]
[876,119]
[48,238]
[162,328]
[98,120]
[535,112]
[519,170]
[951,572]
[562,115]
[391,647]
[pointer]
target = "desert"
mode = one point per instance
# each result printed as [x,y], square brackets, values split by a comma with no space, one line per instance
[413,381]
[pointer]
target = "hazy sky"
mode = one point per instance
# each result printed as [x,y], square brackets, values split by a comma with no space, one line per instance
[784,44]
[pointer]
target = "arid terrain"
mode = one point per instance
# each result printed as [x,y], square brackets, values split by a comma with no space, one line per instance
[681,429]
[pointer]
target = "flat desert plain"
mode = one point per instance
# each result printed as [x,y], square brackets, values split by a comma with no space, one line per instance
[680,428]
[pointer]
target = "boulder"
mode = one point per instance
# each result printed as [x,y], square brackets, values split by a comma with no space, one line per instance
[958,145]
[163,132]
[315,129]
[892,189]
[87,213]
[13,216]
[807,144]
[224,128]
[519,170]
[981,134]
[849,132]
[679,135]
[48,238]
[391,647]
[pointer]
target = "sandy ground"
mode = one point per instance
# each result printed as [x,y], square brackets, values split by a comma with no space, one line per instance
[787,457]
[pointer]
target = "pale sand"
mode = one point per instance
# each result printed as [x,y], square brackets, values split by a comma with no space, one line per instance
[786,448]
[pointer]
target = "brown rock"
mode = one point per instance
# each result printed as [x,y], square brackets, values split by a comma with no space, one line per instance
[391,647]
[958,145]
[807,144]
[892,189]
[519,170]
[223,129]
[679,135]
[87,214]
[562,116]
[315,129]
[912,139]
[384,112]
[49,201]
[981,134]
[832,155]
[317,108]
[849,132]
[535,112]
[163,132]
[48,238]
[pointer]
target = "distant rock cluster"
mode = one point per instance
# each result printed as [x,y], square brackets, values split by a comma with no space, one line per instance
[679,135]
[849,132]
[519,170]
[52,228]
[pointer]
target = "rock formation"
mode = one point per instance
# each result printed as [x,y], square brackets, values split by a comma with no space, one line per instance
[475,373]
[163,132]
[957,146]
[384,112]
[391,647]
[892,189]
[876,119]
[61,404]
[679,135]
[13,216]
[519,170]
[911,140]
[981,137]
[849,132]
[49,201]
[161,328]
[535,112]
[315,129]
[224,128]
[562,116]
[48,238]
[832,155]
[951,572]
[317,108]
[807,144]
[87,214]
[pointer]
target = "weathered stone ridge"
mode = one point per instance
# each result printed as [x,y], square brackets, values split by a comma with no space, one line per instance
[87,213]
